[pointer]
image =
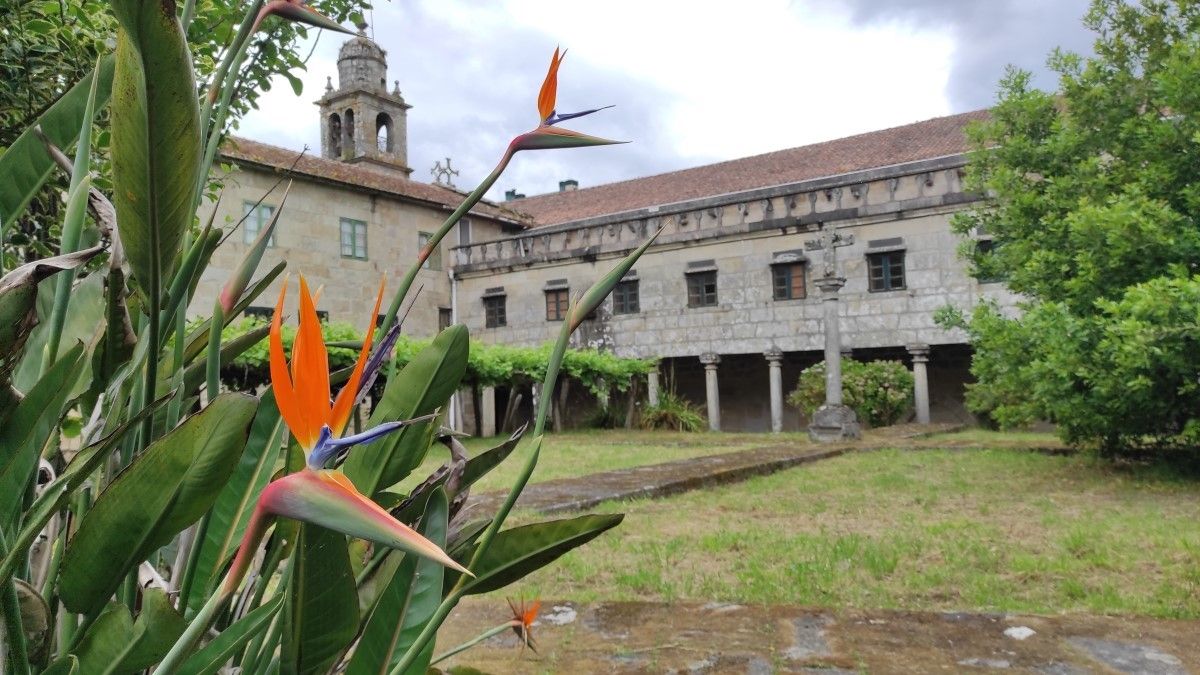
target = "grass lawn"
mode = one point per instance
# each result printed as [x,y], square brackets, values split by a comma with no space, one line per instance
[578,453]
[998,438]
[1001,530]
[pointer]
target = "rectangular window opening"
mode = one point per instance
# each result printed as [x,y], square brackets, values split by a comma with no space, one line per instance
[885,271]
[625,297]
[434,261]
[494,315]
[354,239]
[702,288]
[788,281]
[257,218]
[557,300]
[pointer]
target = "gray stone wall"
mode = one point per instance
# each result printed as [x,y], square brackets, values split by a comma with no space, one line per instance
[741,234]
[308,238]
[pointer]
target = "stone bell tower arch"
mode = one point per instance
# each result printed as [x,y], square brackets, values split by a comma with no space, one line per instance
[361,121]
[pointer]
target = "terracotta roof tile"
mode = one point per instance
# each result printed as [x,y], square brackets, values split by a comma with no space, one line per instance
[363,175]
[937,137]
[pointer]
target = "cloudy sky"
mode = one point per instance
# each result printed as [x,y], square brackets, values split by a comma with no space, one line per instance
[692,82]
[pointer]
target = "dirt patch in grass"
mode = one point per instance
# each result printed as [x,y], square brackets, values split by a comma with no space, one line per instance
[989,530]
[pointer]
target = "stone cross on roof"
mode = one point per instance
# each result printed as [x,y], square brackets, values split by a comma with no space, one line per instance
[828,243]
[443,175]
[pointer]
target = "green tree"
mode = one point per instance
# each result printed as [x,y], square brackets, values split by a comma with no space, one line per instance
[1095,197]
[49,45]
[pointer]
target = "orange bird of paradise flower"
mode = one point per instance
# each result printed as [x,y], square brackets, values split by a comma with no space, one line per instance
[316,494]
[522,621]
[547,135]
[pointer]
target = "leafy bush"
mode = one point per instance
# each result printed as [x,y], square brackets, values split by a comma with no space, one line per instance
[673,412]
[879,391]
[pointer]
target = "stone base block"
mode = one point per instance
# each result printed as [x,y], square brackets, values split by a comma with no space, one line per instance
[833,423]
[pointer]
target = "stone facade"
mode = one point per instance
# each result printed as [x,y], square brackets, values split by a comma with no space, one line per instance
[733,340]
[903,208]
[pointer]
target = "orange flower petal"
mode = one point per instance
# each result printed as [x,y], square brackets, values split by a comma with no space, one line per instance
[345,398]
[281,382]
[549,92]
[310,363]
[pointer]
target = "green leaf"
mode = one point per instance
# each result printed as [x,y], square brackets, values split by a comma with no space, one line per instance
[155,148]
[321,612]
[231,512]
[68,665]
[18,302]
[105,640]
[209,659]
[54,497]
[115,643]
[476,468]
[165,490]
[421,387]
[85,313]
[30,426]
[406,605]
[25,164]
[521,550]
[157,628]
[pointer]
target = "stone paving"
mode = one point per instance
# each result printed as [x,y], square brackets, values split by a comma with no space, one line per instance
[614,637]
[661,480]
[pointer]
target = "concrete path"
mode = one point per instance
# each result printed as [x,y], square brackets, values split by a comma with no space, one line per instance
[660,480]
[724,638]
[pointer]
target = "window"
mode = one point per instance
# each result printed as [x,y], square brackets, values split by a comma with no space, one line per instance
[702,288]
[787,281]
[444,318]
[986,271]
[886,271]
[354,239]
[257,217]
[557,300]
[464,232]
[494,315]
[625,297]
[434,261]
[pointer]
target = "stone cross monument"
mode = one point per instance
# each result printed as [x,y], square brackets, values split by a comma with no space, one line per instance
[833,421]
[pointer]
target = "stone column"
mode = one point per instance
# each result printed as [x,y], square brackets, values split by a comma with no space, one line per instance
[487,414]
[710,361]
[920,357]
[775,365]
[652,387]
[833,421]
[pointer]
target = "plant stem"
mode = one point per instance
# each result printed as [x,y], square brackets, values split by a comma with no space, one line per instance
[473,641]
[411,275]
[216,602]
[13,630]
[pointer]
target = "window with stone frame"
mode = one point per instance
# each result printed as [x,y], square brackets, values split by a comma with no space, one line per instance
[885,271]
[464,232]
[445,318]
[434,261]
[788,281]
[702,288]
[256,218]
[494,314]
[985,264]
[557,301]
[625,297]
[354,239]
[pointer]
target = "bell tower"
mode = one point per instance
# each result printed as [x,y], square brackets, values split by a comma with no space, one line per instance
[361,121]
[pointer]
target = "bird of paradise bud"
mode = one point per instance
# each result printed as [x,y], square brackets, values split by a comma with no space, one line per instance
[315,494]
[298,11]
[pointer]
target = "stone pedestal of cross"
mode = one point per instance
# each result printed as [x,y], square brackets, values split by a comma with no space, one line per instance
[833,421]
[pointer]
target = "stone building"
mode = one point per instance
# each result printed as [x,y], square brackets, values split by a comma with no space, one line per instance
[352,215]
[728,287]
[726,297]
